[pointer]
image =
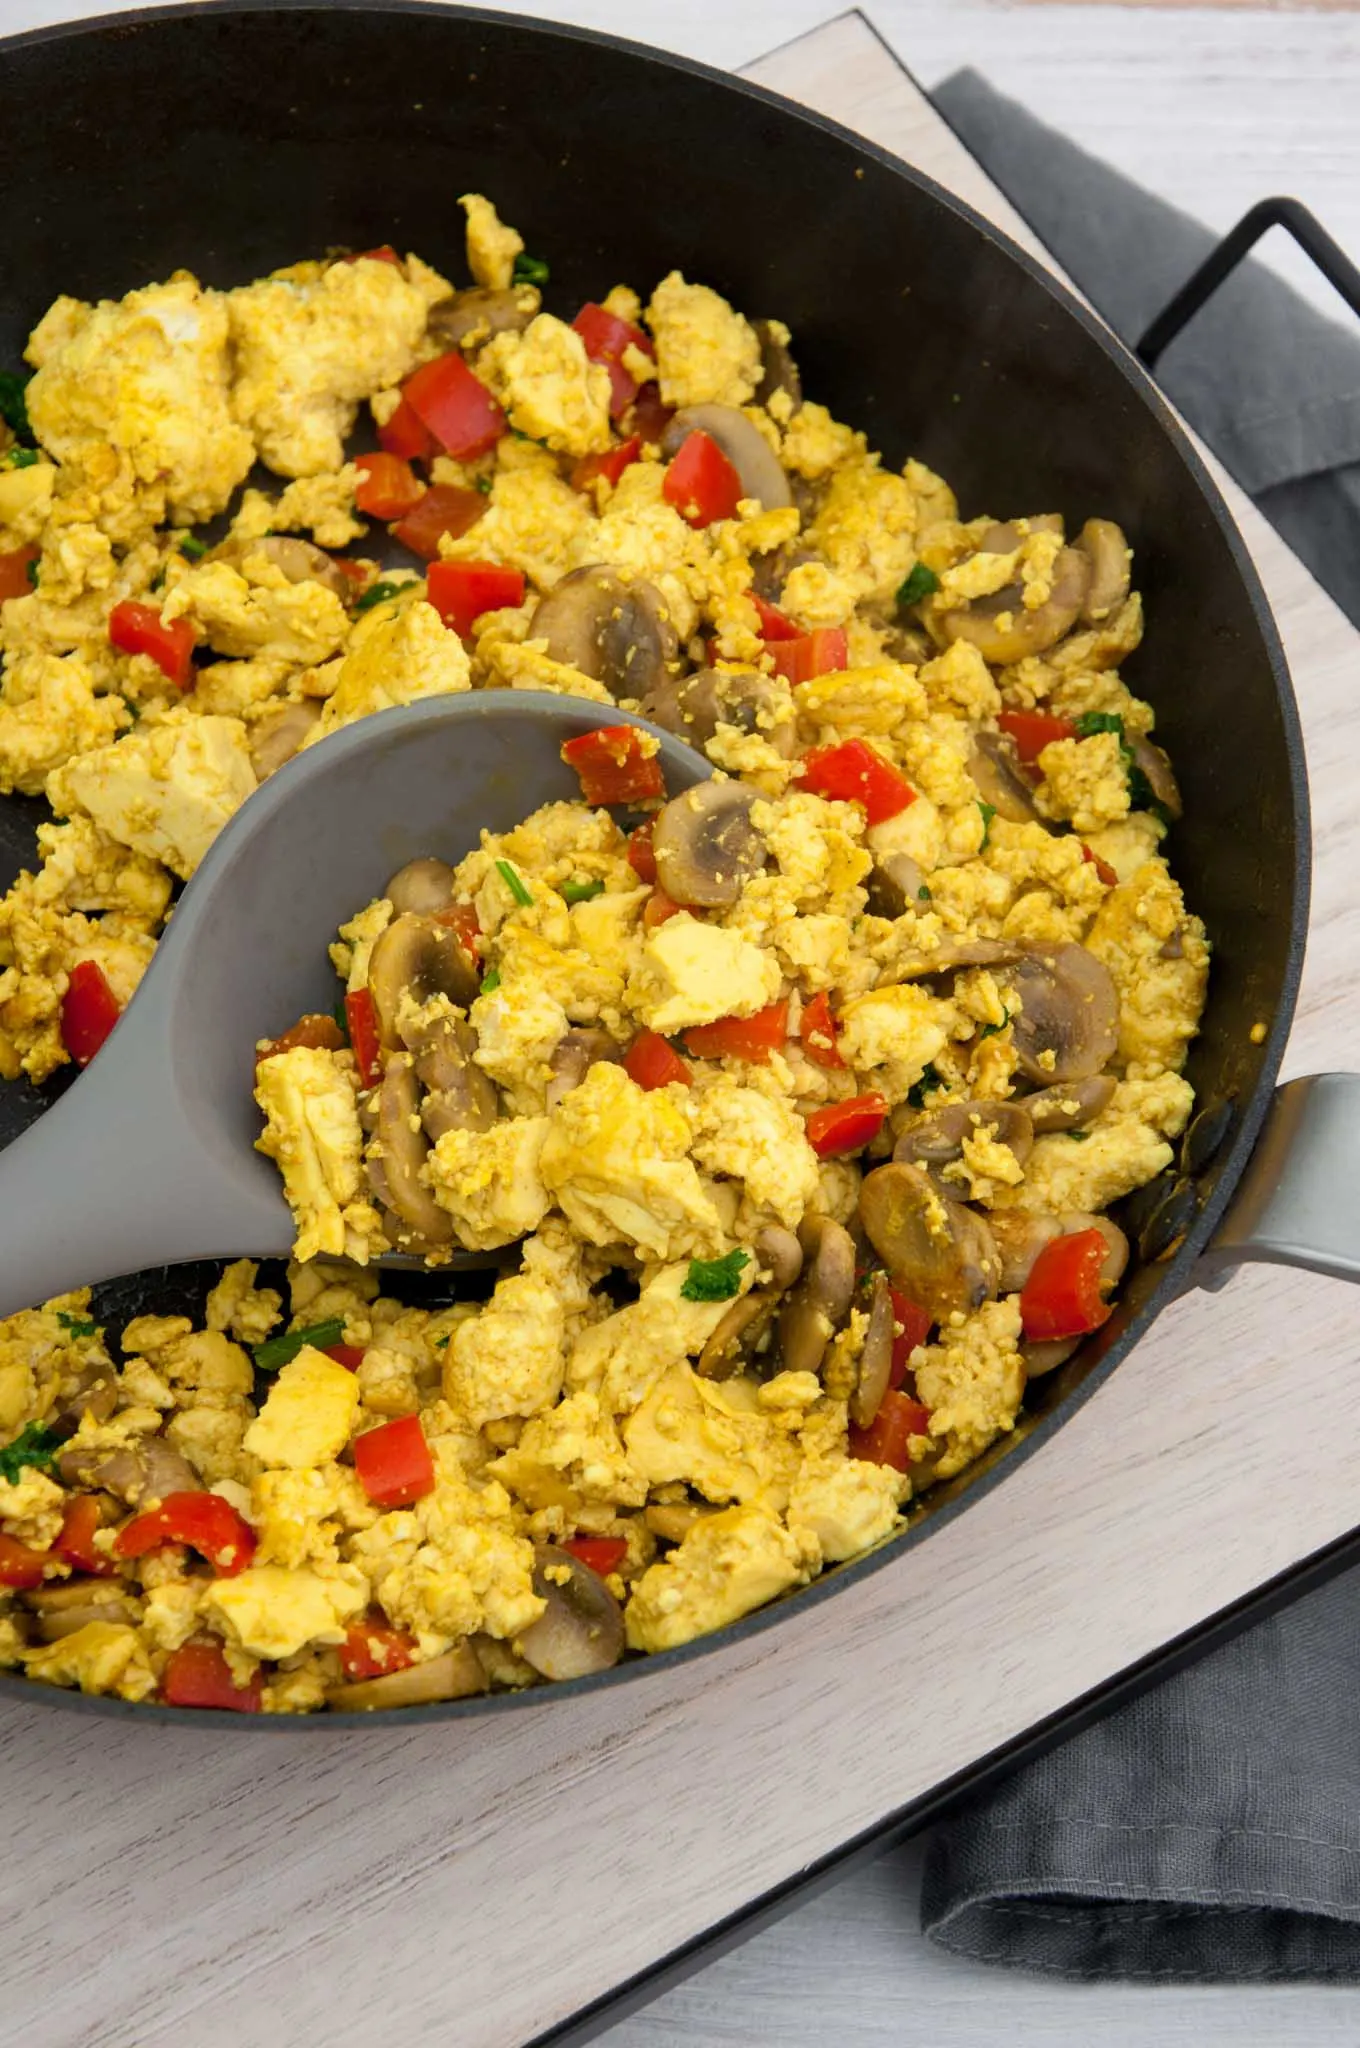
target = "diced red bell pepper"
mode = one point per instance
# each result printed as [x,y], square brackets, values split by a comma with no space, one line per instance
[613,767]
[203,1521]
[317,1032]
[701,483]
[406,434]
[610,465]
[602,1554]
[658,908]
[362,1020]
[388,487]
[76,1544]
[198,1675]
[913,1327]
[641,854]
[462,591]
[354,572]
[373,1648]
[606,337]
[1062,1296]
[817,1029]
[351,1356]
[20,1566]
[384,253]
[1102,867]
[461,918]
[854,773]
[89,1011]
[139,629]
[1032,731]
[842,1127]
[445,508]
[886,1439]
[15,580]
[394,1463]
[741,1038]
[773,624]
[455,405]
[811,654]
[650,416]
[652,1062]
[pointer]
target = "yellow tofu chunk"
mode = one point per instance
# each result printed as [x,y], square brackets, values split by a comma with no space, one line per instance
[307,1415]
[692,973]
[165,790]
[729,1564]
[314,1136]
[271,1611]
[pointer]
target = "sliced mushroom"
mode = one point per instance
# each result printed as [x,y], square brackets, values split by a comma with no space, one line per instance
[936,1250]
[1116,1259]
[953,954]
[820,1301]
[1004,631]
[894,885]
[1042,1358]
[1068,1108]
[60,1610]
[907,644]
[1068,1023]
[705,844]
[995,767]
[405,1149]
[1105,548]
[574,1054]
[94,1393]
[582,1629]
[422,888]
[1019,1238]
[301,561]
[743,1331]
[277,738]
[875,1360]
[673,1520]
[456,1675]
[481,311]
[694,706]
[136,1473]
[459,1096]
[778,1253]
[936,1139]
[618,633]
[1157,773]
[426,958]
[1004,537]
[770,571]
[779,372]
[741,441]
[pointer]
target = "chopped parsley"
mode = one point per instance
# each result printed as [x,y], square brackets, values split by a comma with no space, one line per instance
[491,982]
[33,574]
[923,895]
[988,813]
[482,484]
[929,1081]
[991,1030]
[580,892]
[34,1445]
[192,548]
[513,883]
[79,1326]
[14,403]
[922,582]
[341,1016]
[529,270]
[1092,722]
[22,458]
[377,593]
[277,1351]
[1078,1137]
[158,580]
[714,1279]
[441,1343]
[1141,795]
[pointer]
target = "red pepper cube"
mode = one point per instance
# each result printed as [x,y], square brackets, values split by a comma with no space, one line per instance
[811,654]
[641,854]
[652,1062]
[610,465]
[455,406]
[89,1011]
[853,772]
[602,1554]
[351,1356]
[388,487]
[372,1649]
[463,592]
[198,1675]
[139,629]
[394,1463]
[1032,731]
[741,1038]
[362,1019]
[20,1566]
[203,1521]
[606,339]
[885,1441]
[15,580]
[406,434]
[843,1127]
[817,1030]
[444,509]
[617,764]
[773,623]
[701,483]
[1063,1295]
[75,1542]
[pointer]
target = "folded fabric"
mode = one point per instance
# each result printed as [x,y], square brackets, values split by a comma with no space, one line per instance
[1272,384]
[1210,1831]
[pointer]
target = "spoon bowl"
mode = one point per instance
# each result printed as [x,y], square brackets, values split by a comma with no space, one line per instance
[149,1158]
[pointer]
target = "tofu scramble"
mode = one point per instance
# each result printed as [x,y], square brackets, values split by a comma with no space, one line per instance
[795,1102]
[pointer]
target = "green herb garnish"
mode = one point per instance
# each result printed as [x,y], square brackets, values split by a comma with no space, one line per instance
[714,1279]
[580,892]
[1078,1137]
[14,403]
[1141,794]
[1092,722]
[277,1351]
[442,1343]
[513,884]
[341,1016]
[992,1030]
[483,484]
[22,458]
[79,1326]
[988,813]
[922,582]
[377,593]
[923,895]
[158,581]
[928,1083]
[491,982]
[33,574]
[529,270]
[34,1446]
[192,548]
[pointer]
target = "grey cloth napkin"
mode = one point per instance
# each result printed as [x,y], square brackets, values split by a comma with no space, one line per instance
[1210,1831]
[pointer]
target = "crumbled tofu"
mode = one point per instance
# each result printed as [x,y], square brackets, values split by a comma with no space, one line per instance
[692,973]
[165,790]
[728,1565]
[706,352]
[548,385]
[313,1133]
[308,1413]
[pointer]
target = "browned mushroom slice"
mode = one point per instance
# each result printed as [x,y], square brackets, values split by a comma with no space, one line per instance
[694,706]
[705,844]
[1152,762]
[908,644]
[895,885]
[140,1472]
[1067,1108]
[428,958]
[937,1251]
[778,1254]
[94,1393]
[875,1360]
[1019,1238]
[456,1675]
[995,767]
[574,1054]
[301,561]
[479,312]
[459,1096]
[741,441]
[1001,628]
[778,370]
[1042,1358]
[277,738]
[936,1139]
[423,887]
[673,1520]
[743,1331]
[770,572]
[820,1301]
[60,1610]
[405,1148]
[953,954]
[1105,548]
[582,1628]
[1068,1023]
[618,633]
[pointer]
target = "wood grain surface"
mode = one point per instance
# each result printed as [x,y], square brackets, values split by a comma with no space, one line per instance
[167,1887]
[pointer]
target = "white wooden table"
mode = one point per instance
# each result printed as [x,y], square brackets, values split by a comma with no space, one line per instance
[475,1885]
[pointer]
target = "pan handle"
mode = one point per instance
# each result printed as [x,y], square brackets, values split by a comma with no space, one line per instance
[1330,258]
[1298,1202]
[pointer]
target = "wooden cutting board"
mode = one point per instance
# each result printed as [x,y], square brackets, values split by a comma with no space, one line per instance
[479,1883]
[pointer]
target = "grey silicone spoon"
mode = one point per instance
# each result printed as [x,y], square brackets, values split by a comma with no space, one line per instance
[149,1158]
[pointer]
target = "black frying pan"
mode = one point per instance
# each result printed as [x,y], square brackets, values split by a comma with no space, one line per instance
[234,139]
